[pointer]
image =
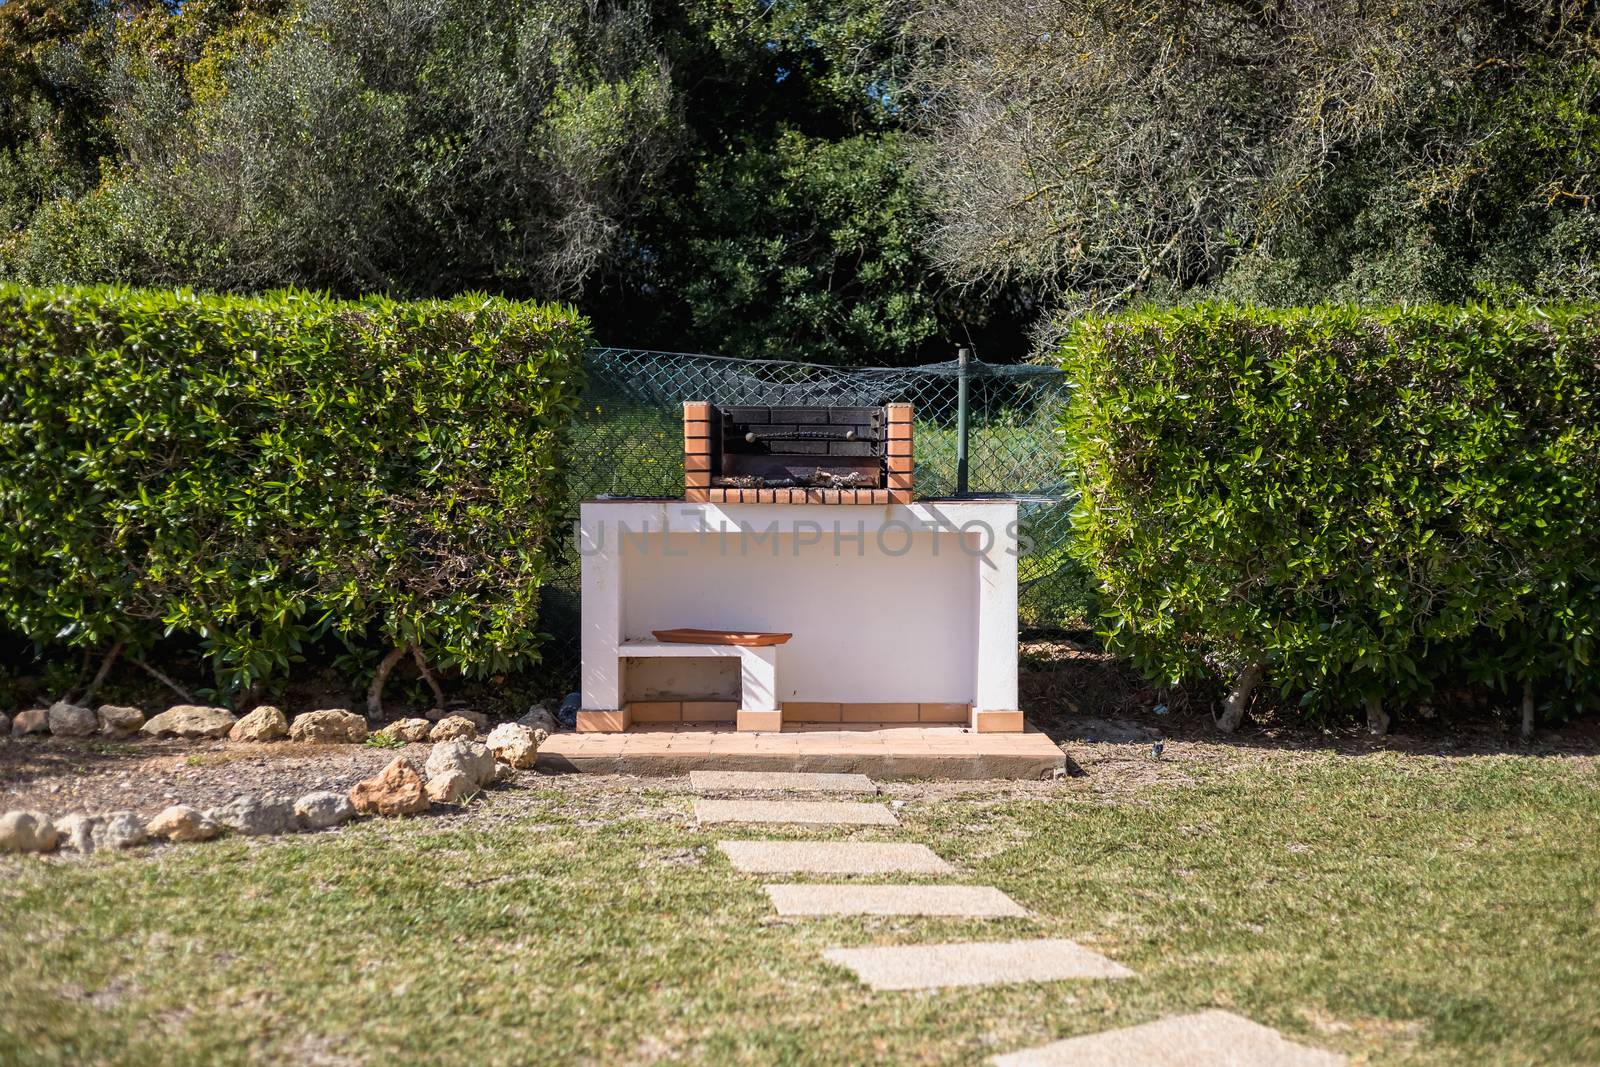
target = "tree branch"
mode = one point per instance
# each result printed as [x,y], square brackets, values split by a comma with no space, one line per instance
[375,689]
[1238,701]
[164,680]
[428,676]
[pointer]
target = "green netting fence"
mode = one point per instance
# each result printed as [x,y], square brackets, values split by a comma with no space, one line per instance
[627,441]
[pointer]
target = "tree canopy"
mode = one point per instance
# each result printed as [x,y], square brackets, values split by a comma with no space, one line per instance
[1306,151]
[866,181]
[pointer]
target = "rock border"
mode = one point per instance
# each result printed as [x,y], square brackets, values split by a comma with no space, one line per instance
[457,770]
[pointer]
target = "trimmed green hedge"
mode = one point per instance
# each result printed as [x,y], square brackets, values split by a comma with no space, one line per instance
[1363,505]
[261,472]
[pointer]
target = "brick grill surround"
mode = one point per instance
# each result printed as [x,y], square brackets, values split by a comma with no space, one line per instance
[699,462]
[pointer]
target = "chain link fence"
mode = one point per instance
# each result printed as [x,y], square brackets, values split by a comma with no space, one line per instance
[627,441]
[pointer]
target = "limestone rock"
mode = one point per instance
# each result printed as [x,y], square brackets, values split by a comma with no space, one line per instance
[191,721]
[477,718]
[27,831]
[330,725]
[180,823]
[468,757]
[451,787]
[452,727]
[72,720]
[120,829]
[118,721]
[504,772]
[408,730]
[32,721]
[256,816]
[77,832]
[539,718]
[514,744]
[92,833]
[395,790]
[264,723]
[323,810]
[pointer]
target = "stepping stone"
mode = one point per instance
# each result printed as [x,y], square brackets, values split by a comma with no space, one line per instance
[966,901]
[970,963]
[1209,1039]
[814,812]
[784,781]
[832,857]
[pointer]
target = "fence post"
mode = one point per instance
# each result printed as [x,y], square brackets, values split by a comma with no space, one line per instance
[964,360]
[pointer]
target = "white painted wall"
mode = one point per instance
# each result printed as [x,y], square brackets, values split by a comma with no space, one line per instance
[867,626]
[902,618]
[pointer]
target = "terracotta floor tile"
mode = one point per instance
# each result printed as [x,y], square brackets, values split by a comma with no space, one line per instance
[907,751]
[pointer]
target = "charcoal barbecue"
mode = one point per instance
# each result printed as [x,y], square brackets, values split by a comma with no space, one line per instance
[792,455]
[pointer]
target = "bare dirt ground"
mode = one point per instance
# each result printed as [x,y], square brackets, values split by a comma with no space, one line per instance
[1104,717]
[61,775]
[1083,697]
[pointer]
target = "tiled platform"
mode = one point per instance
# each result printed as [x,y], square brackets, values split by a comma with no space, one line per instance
[879,751]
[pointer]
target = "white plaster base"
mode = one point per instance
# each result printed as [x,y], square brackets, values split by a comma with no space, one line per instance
[908,604]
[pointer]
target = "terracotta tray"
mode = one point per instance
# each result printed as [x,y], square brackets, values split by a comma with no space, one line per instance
[718,637]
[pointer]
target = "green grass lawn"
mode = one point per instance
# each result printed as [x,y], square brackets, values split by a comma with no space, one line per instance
[1402,909]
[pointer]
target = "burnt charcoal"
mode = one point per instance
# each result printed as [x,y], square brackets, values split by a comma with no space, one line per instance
[817,479]
[822,479]
[753,481]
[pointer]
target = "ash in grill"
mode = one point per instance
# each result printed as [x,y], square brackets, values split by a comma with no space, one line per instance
[799,447]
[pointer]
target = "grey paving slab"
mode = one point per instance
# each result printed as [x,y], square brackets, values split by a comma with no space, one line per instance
[974,963]
[779,781]
[1208,1039]
[967,901]
[832,857]
[817,812]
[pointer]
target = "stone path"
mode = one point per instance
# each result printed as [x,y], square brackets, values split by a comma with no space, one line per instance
[812,812]
[1208,1039]
[832,857]
[1205,1039]
[968,963]
[779,781]
[966,901]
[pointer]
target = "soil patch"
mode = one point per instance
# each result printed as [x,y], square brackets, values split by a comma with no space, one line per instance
[1103,716]
[1086,699]
[59,775]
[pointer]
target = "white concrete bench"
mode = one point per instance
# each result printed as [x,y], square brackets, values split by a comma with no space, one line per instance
[758,679]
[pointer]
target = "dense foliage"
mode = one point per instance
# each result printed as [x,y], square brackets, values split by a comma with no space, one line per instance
[258,473]
[872,181]
[1360,505]
[809,247]
[409,148]
[1305,152]
[706,174]
[792,223]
